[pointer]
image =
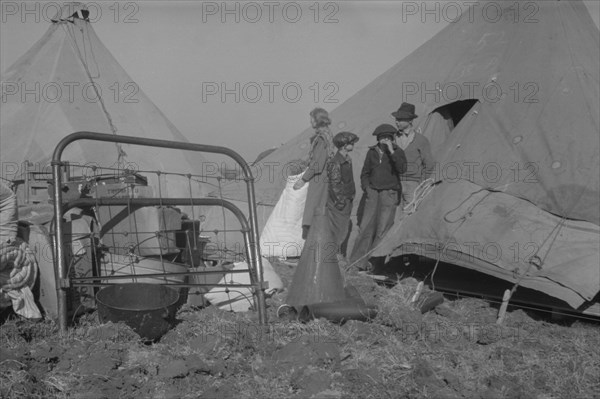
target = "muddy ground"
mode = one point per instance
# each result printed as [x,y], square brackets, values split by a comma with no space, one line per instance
[455,350]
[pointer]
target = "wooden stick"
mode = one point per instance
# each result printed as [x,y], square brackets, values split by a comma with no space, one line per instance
[502,311]
[417,292]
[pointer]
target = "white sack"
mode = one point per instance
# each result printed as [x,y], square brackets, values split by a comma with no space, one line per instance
[282,234]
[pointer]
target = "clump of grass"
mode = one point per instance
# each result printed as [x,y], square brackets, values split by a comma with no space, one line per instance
[17,330]
[19,383]
[395,308]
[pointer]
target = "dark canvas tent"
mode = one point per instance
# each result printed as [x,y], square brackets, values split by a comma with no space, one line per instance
[511,106]
[69,81]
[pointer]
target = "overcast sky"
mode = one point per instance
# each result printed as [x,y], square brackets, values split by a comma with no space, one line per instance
[246,74]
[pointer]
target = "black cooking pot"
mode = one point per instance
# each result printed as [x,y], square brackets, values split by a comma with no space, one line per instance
[149,309]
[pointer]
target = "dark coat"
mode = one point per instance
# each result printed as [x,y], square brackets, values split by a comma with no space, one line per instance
[341,180]
[382,170]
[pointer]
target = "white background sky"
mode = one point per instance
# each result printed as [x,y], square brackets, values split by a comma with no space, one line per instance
[177,50]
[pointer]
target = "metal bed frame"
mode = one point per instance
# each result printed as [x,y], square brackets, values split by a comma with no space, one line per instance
[249,227]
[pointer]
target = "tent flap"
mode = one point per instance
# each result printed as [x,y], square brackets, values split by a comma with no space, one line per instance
[503,236]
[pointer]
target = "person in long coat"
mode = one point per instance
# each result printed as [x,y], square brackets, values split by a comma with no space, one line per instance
[321,151]
[317,278]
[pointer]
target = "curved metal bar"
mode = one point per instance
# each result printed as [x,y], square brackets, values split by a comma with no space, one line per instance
[178,145]
[136,203]
[253,246]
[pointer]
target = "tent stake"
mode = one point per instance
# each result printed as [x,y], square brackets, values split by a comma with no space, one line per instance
[502,311]
[417,292]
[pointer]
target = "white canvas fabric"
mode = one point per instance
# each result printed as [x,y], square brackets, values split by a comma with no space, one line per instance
[8,214]
[240,299]
[282,235]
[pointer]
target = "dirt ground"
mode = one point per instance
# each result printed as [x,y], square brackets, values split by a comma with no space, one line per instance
[455,350]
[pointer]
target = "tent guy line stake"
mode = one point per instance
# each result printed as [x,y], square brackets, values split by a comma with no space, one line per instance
[502,311]
[417,293]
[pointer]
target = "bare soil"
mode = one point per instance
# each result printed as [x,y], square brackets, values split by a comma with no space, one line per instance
[455,350]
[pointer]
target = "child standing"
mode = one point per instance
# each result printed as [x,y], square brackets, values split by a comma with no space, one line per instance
[342,189]
[380,180]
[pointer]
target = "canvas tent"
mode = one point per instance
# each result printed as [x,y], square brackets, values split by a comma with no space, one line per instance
[511,107]
[68,82]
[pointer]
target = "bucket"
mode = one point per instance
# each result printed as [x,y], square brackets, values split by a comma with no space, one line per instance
[149,309]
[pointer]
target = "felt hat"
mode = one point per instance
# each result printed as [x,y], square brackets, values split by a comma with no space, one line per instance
[405,112]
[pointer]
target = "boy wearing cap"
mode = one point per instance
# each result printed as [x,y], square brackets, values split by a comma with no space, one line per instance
[380,181]
[341,188]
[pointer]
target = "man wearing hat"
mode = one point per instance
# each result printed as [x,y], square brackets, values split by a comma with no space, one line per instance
[419,160]
[380,180]
[341,188]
